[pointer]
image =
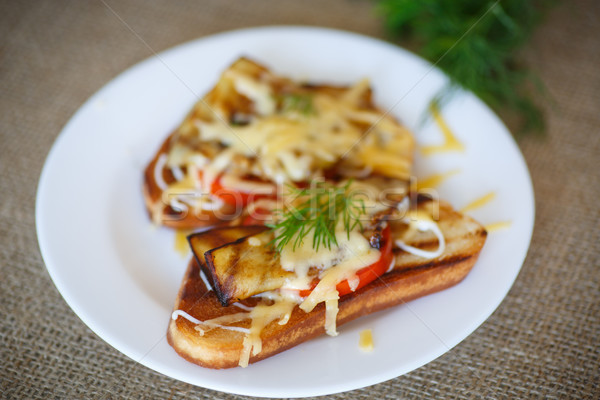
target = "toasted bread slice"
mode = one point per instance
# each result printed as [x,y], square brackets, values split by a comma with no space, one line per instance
[412,277]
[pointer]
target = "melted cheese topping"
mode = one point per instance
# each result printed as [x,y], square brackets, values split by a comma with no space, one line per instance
[261,315]
[259,92]
[356,253]
[325,291]
[287,148]
[334,265]
[304,257]
[276,305]
[212,170]
[280,144]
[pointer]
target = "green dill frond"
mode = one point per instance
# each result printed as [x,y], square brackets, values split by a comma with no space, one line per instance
[476,44]
[319,210]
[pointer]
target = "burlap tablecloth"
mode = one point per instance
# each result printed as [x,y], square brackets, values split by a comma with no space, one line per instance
[541,342]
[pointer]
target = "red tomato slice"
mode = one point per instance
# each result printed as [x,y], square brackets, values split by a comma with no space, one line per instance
[367,274]
[232,196]
[228,195]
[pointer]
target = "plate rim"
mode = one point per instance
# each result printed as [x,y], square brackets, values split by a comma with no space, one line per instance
[41,230]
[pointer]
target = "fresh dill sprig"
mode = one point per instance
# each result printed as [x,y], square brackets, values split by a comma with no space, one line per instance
[321,207]
[476,44]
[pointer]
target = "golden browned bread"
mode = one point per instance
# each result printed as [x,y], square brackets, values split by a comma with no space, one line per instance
[412,277]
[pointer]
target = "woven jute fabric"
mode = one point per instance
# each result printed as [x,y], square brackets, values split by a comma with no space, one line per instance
[543,340]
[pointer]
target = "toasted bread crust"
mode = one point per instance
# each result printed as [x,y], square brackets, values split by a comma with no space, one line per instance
[411,278]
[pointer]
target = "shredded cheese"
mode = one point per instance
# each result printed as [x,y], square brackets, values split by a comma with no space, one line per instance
[479,202]
[223,322]
[257,91]
[205,281]
[326,291]
[451,142]
[247,186]
[158,171]
[261,315]
[365,342]
[177,173]
[289,145]
[497,226]
[180,313]
[422,222]
[435,180]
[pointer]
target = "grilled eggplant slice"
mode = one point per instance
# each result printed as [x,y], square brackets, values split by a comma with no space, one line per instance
[202,242]
[245,267]
[240,264]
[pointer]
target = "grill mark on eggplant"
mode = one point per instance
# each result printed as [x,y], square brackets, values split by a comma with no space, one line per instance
[217,238]
[229,284]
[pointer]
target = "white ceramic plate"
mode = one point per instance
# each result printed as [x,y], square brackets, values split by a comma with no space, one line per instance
[120,275]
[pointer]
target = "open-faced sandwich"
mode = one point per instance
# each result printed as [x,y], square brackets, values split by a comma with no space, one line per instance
[305,191]
[256,131]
